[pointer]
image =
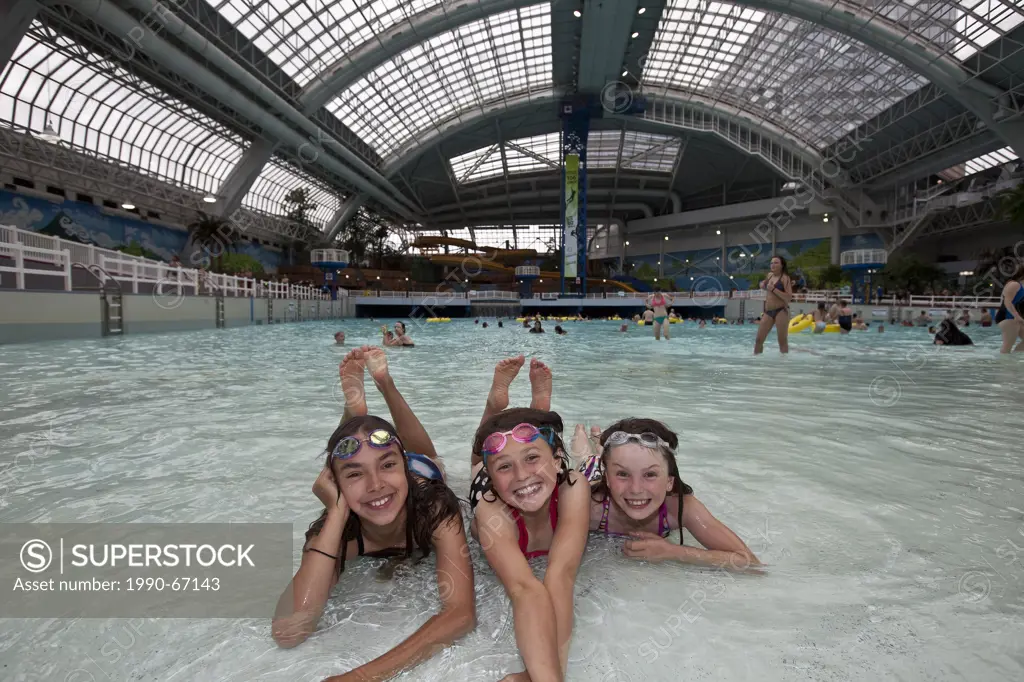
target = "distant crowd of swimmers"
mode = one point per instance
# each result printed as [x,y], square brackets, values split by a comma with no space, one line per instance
[385,494]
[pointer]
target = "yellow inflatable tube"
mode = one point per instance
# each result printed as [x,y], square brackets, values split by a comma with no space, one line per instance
[439,319]
[800,323]
[805,322]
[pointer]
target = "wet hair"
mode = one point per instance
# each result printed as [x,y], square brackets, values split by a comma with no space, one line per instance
[636,425]
[506,420]
[428,504]
[821,305]
[403,326]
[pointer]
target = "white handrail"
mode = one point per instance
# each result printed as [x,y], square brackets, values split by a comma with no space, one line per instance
[17,252]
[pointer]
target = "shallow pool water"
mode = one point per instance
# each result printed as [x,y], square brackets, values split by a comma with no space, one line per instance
[879,477]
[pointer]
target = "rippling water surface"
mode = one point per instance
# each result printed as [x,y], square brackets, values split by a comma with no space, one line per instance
[878,476]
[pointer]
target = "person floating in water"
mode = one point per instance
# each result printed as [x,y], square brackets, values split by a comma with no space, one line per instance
[560,331]
[399,338]
[779,288]
[637,492]
[659,303]
[949,335]
[529,502]
[537,327]
[339,338]
[382,500]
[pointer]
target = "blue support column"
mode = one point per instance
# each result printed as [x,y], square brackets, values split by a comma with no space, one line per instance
[575,132]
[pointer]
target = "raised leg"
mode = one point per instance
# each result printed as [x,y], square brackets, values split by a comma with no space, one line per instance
[540,385]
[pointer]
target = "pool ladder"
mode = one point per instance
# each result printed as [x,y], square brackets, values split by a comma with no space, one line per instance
[111,300]
[220,312]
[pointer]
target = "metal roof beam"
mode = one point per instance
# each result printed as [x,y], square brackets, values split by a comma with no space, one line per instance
[15,16]
[988,102]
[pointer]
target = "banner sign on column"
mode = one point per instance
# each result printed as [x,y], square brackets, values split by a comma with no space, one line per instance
[572,198]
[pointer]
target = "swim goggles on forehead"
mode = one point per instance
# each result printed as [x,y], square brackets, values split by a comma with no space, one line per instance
[646,439]
[421,465]
[349,445]
[521,433]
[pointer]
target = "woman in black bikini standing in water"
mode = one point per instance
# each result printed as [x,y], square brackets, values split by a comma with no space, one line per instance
[779,288]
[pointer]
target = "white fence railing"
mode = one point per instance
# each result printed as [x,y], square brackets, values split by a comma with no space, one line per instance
[19,253]
[23,245]
[863,257]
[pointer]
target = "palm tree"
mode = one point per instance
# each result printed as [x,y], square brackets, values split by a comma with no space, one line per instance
[1012,208]
[212,235]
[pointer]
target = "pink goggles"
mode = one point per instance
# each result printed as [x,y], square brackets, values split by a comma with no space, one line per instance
[521,433]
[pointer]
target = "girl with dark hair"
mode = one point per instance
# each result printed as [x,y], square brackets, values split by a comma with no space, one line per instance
[779,288]
[1010,317]
[950,335]
[636,491]
[528,504]
[380,500]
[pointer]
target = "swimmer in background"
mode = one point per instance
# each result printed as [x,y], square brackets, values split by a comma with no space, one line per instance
[624,327]
[672,315]
[648,316]
[950,335]
[881,328]
[923,320]
[560,331]
[484,325]
[500,324]
[659,303]
[537,327]
[779,288]
[844,317]
[986,318]
[1010,318]
[702,324]
[858,323]
[833,312]
[380,500]
[820,317]
[402,336]
[339,338]
[637,492]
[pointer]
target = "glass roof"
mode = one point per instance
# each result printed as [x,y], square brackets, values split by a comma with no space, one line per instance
[307,37]
[277,179]
[482,62]
[815,83]
[639,151]
[990,160]
[97,107]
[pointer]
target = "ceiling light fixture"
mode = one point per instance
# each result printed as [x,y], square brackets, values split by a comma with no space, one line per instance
[49,134]
[576,13]
[641,10]
[635,34]
[210,199]
[128,206]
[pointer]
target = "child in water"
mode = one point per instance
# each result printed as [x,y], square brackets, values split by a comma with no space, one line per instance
[637,492]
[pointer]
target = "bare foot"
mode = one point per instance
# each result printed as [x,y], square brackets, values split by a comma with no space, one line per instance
[377,363]
[581,446]
[351,370]
[540,382]
[504,372]
[595,438]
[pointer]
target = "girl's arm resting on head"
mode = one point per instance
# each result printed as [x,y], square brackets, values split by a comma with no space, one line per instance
[456,618]
[532,610]
[564,558]
[302,603]
[414,436]
[724,547]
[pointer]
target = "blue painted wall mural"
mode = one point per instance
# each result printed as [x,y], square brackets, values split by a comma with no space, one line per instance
[746,264]
[84,223]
